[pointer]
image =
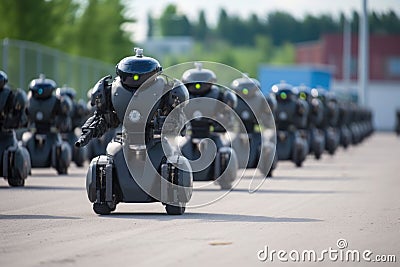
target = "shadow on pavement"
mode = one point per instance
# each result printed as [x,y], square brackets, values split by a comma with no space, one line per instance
[44,188]
[308,178]
[208,217]
[274,191]
[35,217]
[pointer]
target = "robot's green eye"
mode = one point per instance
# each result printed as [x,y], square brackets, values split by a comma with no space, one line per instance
[245,91]
[303,95]
[283,95]
[136,77]
[40,91]
[197,86]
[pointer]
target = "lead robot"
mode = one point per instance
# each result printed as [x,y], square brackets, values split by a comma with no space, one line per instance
[15,162]
[223,165]
[120,176]
[48,115]
[251,103]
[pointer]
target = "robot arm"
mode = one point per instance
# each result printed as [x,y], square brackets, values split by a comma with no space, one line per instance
[229,98]
[94,127]
[17,115]
[63,114]
[104,116]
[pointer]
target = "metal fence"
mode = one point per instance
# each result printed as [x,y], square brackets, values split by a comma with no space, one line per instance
[24,61]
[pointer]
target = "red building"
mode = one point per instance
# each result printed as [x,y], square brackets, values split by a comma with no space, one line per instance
[384,55]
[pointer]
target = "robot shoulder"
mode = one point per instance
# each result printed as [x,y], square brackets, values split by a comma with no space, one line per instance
[4,97]
[100,97]
[229,98]
[178,94]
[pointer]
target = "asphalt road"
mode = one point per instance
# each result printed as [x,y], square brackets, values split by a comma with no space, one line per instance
[353,195]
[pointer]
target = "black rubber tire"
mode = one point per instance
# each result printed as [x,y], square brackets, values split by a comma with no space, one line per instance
[225,185]
[62,171]
[174,210]
[102,208]
[16,182]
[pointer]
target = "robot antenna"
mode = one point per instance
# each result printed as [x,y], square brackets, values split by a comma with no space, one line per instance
[198,65]
[138,51]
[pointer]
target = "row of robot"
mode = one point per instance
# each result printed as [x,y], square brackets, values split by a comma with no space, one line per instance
[307,121]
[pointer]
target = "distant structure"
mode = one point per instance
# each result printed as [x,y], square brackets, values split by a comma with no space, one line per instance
[383,92]
[311,75]
[169,45]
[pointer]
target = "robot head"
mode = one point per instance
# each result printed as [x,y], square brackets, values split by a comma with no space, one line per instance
[66,91]
[42,88]
[284,92]
[319,93]
[135,70]
[246,87]
[198,80]
[304,92]
[3,79]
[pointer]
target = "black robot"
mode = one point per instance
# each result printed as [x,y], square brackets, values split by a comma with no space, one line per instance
[79,114]
[207,107]
[343,123]
[252,107]
[330,121]
[355,128]
[15,162]
[316,137]
[291,115]
[48,115]
[140,166]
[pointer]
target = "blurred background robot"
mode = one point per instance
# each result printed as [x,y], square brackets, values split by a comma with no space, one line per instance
[316,137]
[15,162]
[79,114]
[223,166]
[291,115]
[251,102]
[48,115]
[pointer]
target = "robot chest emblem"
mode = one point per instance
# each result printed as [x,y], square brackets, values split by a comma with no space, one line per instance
[134,115]
[39,115]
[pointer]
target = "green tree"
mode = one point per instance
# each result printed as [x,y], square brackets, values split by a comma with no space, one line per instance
[98,32]
[37,21]
[174,24]
[201,29]
[150,25]
[283,27]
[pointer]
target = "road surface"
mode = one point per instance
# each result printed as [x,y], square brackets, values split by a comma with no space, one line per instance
[353,196]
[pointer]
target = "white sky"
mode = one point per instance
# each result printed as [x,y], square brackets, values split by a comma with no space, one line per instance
[244,8]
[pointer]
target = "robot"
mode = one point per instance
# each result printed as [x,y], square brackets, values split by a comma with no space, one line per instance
[15,162]
[79,114]
[223,166]
[250,102]
[316,137]
[48,115]
[343,122]
[136,168]
[291,115]
[355,129]
[330,120]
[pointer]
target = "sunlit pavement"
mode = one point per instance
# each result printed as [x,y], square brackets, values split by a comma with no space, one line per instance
[353,195]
